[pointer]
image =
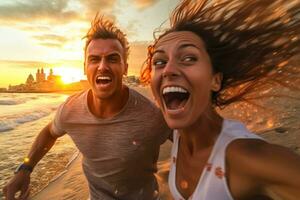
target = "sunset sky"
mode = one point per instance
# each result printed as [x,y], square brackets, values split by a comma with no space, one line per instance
[40,33]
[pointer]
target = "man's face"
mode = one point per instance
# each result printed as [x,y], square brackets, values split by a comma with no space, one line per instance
[105,66]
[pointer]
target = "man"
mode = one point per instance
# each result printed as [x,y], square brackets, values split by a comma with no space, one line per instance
[117,130]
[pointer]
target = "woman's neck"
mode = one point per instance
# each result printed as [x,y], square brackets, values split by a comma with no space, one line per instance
[203,133]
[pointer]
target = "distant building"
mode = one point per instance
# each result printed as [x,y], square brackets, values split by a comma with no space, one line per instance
[53,78]
[41,84]
[53,83]
[30,80]
[40,76]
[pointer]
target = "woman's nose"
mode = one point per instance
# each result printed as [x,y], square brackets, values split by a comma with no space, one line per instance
[170,69]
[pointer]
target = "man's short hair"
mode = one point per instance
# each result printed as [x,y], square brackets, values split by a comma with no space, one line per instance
[102,28]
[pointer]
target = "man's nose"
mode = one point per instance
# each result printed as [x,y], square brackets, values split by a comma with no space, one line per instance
[102,65]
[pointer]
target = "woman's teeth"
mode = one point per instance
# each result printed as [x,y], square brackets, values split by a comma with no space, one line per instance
[174,89]
[175,97]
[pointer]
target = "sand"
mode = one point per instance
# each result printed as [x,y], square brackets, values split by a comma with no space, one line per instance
[72,184]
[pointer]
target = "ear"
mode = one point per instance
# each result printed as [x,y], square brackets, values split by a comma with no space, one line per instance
[84,68]
[126,69]
[216,82]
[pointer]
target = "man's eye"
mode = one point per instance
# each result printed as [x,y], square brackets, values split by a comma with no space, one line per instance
[93,60]
[114,59]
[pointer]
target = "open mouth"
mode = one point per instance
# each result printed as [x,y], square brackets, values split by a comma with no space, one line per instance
[175,97]
[103,80]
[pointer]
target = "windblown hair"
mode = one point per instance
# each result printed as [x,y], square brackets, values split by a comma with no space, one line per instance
[251,42]
[102,28]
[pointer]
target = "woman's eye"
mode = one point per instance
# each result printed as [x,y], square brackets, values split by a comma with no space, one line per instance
[189,59]
[159,63]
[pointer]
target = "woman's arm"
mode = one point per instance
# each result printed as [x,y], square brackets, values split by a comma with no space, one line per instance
[259,168]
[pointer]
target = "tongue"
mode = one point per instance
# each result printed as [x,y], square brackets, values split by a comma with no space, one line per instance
[175,104]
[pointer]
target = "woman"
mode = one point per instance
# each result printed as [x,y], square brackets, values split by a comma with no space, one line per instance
[216,53]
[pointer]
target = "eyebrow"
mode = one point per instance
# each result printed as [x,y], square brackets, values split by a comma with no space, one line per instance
[180,47]
[107,55]
[113,54]
[158,51]
[188,45]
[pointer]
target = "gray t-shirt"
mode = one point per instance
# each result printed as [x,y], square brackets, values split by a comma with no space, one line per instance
[119,153]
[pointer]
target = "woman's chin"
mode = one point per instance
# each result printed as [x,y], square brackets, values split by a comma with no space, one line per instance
[175,124]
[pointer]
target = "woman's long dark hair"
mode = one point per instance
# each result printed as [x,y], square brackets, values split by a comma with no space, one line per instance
[251,42]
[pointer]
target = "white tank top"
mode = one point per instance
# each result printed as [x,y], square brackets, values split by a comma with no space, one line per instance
[212,184]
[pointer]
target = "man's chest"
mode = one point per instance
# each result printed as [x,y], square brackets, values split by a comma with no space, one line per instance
[113,141]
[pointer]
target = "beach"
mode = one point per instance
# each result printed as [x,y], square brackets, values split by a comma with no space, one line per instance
[59,174]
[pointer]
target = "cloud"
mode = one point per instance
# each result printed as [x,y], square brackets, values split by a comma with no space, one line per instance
[22,63]
[51,44]
[51,40]
[36,10]
[51,37]
[25,64]
[132,28]
[35,28]
[143,4]
[95,6]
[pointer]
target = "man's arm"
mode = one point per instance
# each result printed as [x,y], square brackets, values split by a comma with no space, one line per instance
[20,182]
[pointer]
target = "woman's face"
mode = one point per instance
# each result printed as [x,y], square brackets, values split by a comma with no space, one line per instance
[182,78]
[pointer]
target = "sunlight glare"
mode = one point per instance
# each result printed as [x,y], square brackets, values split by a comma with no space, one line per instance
[68,74]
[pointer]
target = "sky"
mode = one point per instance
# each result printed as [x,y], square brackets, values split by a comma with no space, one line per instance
[49,34]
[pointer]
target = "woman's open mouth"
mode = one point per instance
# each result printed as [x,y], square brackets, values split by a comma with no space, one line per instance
[175,97]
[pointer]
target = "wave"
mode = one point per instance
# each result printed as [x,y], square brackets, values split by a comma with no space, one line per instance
[8,123]
[12,101]
[17,100]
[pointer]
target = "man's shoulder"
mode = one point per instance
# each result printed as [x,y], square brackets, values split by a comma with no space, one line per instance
[143,101]
[78,97]
[75,103]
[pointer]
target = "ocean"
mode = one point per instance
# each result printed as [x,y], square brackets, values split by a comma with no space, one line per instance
[22,116]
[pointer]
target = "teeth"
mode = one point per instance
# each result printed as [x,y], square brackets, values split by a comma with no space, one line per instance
[174,89]
[103,78]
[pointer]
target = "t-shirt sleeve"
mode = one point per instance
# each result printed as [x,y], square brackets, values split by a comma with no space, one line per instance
[56,127]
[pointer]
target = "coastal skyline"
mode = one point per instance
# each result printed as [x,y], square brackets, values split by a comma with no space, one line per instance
[49,34]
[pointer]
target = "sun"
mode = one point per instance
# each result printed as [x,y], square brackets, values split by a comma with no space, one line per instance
[69,74]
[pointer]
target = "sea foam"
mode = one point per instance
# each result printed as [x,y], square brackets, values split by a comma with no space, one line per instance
[12,101]
[10,122]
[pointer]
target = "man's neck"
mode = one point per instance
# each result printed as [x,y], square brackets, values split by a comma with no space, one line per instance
[107,108]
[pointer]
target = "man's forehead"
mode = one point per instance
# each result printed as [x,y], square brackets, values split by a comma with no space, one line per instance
[104,47]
